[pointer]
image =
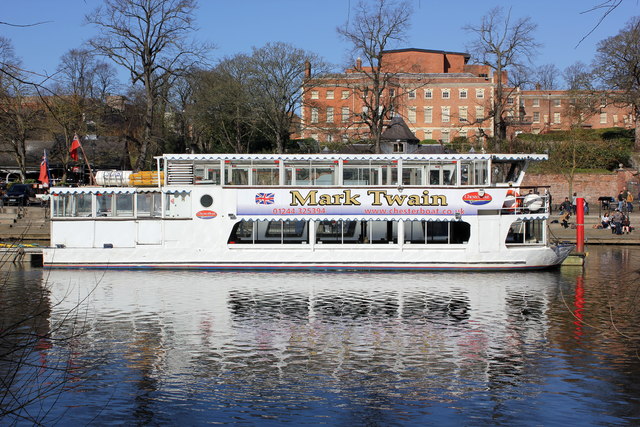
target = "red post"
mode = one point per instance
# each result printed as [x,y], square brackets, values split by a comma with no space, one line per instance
[580,224]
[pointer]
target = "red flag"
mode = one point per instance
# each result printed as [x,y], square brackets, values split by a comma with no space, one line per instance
[74,148]
[44,170]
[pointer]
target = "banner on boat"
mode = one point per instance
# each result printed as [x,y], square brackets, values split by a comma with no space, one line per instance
[374,201]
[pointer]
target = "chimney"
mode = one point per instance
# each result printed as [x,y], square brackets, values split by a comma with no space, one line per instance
[537,86]
[307,69]
[359,64]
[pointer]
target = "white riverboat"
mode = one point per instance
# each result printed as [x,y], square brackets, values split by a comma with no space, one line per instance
[330,212]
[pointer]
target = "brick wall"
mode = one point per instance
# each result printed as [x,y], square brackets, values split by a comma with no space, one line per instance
[589,186]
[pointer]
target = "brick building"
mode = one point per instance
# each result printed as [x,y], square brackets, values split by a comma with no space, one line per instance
[440,97]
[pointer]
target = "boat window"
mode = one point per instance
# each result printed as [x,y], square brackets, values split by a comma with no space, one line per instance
[149,205]
[382,232]
[114,204]
[243,232]
[526,232]
[390,174]
[473,172]
[339,232]
[310,173]
[286,232]
[503,172]
[207,173]
[436,232]
[412,174]
[361,173]
[238,174]
[266,176]
[71,205]
[104,204]
[261,232]
[442,173]
[178,205]
[123,205]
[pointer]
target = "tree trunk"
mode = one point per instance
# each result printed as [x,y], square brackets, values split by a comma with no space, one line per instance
[148,132]
[636,145]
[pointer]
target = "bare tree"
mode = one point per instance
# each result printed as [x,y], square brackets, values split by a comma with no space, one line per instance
[223,111]
[617,65]
[501,43]
[372,31]
[277,75]
[21,113]
[149,39]
[546,77]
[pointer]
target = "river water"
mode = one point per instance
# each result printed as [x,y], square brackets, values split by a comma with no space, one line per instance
[191,348]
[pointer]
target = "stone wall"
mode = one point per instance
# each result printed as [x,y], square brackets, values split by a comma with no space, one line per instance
[587,185]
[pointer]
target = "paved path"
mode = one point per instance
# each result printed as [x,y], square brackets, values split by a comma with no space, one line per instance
[595,236]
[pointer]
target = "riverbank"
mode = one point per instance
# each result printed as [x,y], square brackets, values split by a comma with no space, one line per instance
[594,236]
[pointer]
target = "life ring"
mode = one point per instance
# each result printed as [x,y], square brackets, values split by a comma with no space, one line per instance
[512,200]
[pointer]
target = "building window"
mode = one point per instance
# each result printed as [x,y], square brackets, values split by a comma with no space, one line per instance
[556,118]
[314,115]
[446,94]
[463,94]
[479,93]
[510,100]
[329,138]
[603,118]
[398,147]
[412,94]
[411,114]
[446,138]
[329,94]
[615,119]
[557,102]
[462,112]
[314,94]
[428,134]
[345,114]
[462,133]
[428,94]
[392,93]
[536,117]
[428,114]
[479,113]
[536,102]
[329,114]
[345,94]
[446,113]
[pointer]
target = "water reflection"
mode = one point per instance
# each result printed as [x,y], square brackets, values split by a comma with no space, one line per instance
[357,348]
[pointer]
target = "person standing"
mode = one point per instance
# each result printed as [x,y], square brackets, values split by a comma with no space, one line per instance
[573,203]
[629,201]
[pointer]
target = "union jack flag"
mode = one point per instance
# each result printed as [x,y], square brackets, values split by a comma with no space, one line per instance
[264,198]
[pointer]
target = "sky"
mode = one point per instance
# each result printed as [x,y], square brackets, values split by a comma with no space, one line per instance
[238,26]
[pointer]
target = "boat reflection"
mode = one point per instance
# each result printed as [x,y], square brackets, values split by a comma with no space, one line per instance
[414,323]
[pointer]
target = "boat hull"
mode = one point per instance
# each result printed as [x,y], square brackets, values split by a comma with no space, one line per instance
[337,260]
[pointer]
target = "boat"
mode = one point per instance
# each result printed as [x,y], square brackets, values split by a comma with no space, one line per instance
[304,212]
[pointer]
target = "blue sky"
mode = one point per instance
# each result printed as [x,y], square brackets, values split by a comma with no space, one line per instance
[237,26]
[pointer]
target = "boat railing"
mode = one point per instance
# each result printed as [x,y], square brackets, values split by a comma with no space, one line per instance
[527,200]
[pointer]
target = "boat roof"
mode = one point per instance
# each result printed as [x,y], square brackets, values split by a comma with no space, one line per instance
[353,157]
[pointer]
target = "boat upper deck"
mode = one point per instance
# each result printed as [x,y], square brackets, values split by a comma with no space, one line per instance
[458,170]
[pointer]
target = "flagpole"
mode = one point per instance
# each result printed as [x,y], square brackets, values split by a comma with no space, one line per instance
[92,178]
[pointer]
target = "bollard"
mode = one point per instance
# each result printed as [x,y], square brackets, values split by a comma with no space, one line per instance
[580,224]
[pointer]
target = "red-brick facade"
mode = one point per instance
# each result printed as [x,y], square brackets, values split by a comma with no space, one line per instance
[441,97]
